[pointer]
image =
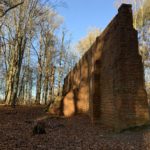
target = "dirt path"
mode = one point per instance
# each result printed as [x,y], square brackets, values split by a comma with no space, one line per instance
[76,133]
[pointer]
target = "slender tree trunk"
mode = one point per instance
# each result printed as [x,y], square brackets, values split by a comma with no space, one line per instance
[21,89]
[48,47]
[51,84]
[39,75]
[39,87]
[60,65]
[14,73]
[21,49]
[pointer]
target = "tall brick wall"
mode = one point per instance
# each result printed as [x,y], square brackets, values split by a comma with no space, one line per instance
[108,83]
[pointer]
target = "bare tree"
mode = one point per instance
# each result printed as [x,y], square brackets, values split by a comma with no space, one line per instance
[33,58]
[85,43]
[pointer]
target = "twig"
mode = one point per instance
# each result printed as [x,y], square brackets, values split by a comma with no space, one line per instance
[12,7]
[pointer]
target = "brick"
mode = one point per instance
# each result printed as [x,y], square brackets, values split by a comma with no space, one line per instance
[108,82]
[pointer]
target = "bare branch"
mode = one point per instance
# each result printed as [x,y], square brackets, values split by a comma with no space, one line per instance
[10,8]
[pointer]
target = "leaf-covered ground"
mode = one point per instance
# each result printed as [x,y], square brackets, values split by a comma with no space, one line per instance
[75,133]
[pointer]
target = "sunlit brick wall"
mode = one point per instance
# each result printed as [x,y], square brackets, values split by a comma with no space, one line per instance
[108,83]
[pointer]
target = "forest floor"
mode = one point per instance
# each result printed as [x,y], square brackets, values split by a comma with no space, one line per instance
[75,133]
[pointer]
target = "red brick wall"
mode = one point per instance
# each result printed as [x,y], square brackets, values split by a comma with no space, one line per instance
[107,83]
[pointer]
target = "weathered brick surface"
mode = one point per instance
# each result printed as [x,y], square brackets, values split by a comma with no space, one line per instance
[108,83]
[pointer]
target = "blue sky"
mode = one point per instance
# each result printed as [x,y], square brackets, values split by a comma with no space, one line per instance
[80,15]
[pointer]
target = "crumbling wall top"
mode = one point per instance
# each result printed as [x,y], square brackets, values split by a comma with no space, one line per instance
[125,7]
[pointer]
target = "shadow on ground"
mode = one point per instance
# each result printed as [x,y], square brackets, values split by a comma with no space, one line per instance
[64,134]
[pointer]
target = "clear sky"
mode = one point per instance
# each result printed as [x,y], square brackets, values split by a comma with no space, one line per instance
[80,15]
